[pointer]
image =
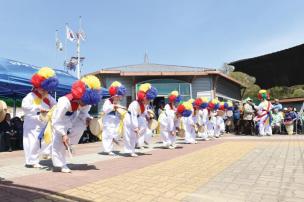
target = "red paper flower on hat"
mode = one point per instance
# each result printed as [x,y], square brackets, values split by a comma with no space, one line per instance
[78,89]
[112,90]
[37,80]
[141,95]
[180,109]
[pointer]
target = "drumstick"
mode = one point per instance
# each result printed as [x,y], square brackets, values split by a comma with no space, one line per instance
[69,151]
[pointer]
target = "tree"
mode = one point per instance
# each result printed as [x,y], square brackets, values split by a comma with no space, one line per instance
[298,93]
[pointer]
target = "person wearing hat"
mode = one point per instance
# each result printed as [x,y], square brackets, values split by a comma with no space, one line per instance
[202,117]
[112,117]
[213,106]
[170,122]
[71,117]
[173,99]
[248,115]
[263,117]
[135,122]
[189,123]
[34,105]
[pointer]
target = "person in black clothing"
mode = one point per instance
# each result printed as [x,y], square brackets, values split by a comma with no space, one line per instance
[8,132]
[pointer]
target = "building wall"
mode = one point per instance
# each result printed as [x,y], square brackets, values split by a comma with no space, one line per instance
[202,86]
[226,88]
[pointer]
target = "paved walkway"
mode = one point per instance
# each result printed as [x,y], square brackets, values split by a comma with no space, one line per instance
[233,168]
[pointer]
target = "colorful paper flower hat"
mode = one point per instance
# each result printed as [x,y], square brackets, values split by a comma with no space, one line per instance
[46,79]
[230,105]
[174,97]
[147,91]
[263,94]
[201,102]
[87,89]
[223,105]
[214,104]
[117,89]
[185,109]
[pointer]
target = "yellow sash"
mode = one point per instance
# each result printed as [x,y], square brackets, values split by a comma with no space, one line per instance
[48,136]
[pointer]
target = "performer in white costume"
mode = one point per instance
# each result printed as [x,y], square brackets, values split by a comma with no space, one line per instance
[189,124]
[135,122]
[212,107]
[220,123]
[70,118]
[168,120]
[169,123]
[147,133]
[34,104]
[112,118]
[263,118]
[202,117]
[173,100]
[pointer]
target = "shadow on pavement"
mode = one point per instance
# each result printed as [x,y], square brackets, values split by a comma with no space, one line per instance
[163,147]
[15,192]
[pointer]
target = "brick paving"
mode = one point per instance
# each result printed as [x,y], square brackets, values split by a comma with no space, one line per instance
[233,168]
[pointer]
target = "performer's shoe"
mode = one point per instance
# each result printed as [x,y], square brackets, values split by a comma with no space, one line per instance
[133,155]
[112,154]
[37,165]
[65,169]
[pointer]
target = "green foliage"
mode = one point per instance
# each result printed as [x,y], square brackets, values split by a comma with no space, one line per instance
[10,102]
[279,92]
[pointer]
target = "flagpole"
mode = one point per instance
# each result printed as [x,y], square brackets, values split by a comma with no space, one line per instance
[78,50]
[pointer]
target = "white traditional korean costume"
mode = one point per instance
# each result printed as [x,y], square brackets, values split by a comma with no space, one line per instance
[189,127]
[135,118]
[167,124]
[66,121]
[33,125]
[111,121]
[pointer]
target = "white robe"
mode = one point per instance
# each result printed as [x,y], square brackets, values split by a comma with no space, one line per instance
[263,119]
[62,123]
[189,128]
[202,121]
[32,127]
[211,124]
[219,126]
[111,122]
[167,124]
[134,119]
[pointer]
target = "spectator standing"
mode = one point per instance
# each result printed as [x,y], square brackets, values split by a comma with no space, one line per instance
[277,120]
[236,118]
[276,105]
[290,117]
[249,109]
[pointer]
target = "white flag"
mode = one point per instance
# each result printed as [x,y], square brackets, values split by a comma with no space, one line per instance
[70,34]
[81,35]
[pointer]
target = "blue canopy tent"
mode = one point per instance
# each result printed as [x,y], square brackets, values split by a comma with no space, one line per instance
[15,80]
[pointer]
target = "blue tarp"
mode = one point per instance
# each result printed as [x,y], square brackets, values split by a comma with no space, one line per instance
[15,79]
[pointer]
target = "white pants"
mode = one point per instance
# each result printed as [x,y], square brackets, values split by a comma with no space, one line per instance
[130,137]
[31,145]
[203,135]
[190,136]
[46,149]
[264,129]
[58,148]
[108,134]
[145,137]
[167,138]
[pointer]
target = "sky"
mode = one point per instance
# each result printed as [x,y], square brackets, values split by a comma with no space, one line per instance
[198,33]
